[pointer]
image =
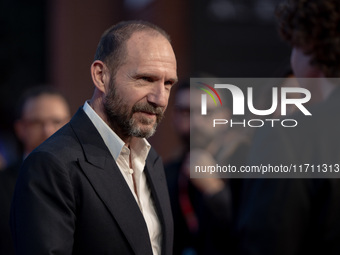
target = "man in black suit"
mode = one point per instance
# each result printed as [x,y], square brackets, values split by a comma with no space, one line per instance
[300,215]
[97,186]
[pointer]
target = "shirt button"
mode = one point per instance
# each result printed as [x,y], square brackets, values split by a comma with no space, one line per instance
[130,171]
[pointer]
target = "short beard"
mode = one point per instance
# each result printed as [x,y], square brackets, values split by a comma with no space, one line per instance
[121,118]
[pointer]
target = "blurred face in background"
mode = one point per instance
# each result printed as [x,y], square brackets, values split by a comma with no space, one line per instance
[301,65]
[181,116]
[302,68]
[41,117]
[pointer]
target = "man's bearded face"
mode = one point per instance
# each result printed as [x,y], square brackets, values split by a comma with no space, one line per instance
[123,117]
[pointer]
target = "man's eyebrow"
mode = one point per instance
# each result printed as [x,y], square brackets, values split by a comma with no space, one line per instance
[174,81]
[139,75]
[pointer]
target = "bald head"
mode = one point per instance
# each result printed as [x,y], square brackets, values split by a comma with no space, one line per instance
[112,47]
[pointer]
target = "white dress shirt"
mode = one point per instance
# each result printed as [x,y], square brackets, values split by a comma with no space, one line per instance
[138,152]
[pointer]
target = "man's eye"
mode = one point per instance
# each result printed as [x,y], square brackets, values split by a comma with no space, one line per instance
[170,83]
[145,78]
[168,86]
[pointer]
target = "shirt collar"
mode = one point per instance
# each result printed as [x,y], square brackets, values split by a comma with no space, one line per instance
[113,142]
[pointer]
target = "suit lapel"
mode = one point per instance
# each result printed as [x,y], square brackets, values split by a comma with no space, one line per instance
[108,182]
[156,179]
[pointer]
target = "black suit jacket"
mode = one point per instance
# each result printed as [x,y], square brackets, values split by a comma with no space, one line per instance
[294,216]
[71,198]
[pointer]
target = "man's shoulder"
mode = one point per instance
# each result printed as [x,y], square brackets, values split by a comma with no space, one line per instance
[66,138]
[63,139]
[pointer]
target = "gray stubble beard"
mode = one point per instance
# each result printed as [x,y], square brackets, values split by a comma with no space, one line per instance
[119,116]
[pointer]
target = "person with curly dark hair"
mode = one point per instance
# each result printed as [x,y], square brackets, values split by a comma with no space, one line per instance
[313,30]
[300,215]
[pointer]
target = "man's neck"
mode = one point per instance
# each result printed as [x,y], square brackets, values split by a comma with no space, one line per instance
[97,106]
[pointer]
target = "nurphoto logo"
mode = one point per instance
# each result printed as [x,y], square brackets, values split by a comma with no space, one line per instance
[280,100]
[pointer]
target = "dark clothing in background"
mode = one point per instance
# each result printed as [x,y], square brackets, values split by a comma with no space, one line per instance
[215,212]
[294,216]
[8,179]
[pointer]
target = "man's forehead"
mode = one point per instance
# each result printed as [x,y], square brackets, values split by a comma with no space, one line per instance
[45,98]
[148,33]
[142,40]
[147,51]
[45,102]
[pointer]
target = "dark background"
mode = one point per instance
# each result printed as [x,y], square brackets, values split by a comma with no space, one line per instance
[53,42]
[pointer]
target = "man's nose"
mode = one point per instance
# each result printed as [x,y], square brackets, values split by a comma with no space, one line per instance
[159,95]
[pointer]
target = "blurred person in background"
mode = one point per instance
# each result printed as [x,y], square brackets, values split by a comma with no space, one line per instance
[265,98]
[300,215]
[41,112]
[202,207]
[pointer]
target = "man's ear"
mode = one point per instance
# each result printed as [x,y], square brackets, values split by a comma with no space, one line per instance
[100,75]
